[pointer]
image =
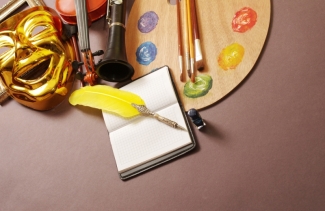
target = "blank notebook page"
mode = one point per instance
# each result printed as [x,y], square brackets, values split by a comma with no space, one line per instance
[141,139]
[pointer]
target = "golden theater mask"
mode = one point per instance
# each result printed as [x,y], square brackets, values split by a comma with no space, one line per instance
[35,60]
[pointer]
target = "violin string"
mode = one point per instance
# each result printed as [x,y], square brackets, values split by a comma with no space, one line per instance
[82,24]
[85,21]
[79,23]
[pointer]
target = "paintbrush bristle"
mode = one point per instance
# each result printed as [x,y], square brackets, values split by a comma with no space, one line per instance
[200,65]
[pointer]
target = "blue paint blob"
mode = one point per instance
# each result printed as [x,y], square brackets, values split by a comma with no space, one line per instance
[146,53]
[147,22]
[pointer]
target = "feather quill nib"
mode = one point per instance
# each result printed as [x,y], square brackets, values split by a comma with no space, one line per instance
[145,111]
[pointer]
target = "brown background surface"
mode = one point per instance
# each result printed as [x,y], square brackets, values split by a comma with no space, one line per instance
[263,147]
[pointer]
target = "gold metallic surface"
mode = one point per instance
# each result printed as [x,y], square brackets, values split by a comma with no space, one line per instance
[34,3]
[35,62]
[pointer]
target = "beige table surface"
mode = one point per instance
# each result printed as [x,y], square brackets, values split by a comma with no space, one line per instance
[263,147]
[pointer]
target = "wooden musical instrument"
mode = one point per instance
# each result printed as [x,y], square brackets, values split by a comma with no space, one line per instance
[82,13]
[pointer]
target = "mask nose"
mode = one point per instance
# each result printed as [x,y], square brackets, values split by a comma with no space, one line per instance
[23,50]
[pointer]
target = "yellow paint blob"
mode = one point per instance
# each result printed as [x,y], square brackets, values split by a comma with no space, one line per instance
[231,56]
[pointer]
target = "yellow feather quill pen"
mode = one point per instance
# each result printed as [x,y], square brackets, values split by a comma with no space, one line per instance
[123,103]
[108,99]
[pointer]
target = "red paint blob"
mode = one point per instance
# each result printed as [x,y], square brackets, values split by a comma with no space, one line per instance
[244,20]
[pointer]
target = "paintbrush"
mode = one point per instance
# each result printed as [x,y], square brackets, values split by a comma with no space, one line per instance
[186,41]
[190,39]
[179,33]
[197,43]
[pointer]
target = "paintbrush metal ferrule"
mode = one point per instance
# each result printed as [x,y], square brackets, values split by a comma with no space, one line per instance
[188,64]
[180,62]
[192,70]
[198,51]
[196,34]
[198,55]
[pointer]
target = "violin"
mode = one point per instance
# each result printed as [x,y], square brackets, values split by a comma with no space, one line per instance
[67,9]
[82,13]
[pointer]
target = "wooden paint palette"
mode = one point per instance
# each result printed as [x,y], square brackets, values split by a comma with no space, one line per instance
[217,36]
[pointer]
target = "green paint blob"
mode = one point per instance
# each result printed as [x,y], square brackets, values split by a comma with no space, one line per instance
[201,86]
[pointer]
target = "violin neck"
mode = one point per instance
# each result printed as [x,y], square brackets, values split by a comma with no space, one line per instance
[82,23]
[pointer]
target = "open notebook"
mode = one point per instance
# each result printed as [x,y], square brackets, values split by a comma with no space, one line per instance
[141,143]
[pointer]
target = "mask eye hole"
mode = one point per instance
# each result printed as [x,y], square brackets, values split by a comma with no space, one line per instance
[6,43]
[4,50]
[37,30]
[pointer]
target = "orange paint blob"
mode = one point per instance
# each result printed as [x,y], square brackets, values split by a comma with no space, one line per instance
[231,56]
[244,20]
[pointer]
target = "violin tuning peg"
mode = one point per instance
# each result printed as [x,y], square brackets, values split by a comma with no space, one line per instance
[98,53]
[75,64]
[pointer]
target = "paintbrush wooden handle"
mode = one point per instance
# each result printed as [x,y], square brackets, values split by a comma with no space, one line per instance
[179,25]
[194,21]
[186,40]
[190,29]
[191,40]
[179,36]
[196,37]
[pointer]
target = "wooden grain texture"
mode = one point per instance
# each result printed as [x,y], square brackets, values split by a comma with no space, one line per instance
[214,19]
